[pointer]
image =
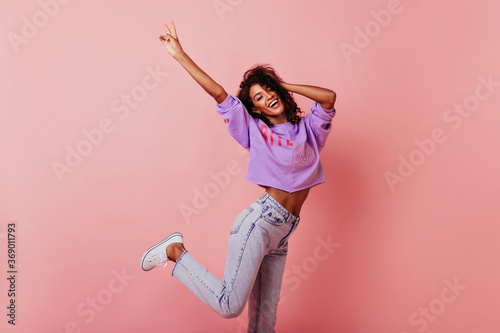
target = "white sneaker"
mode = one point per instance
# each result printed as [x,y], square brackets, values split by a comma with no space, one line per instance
[157,255]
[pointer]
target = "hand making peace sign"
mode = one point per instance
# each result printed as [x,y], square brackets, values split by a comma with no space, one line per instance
[170,40]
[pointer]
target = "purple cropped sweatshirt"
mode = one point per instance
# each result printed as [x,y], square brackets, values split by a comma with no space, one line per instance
[285,156]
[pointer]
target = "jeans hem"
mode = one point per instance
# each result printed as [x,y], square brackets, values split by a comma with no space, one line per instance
[182,255]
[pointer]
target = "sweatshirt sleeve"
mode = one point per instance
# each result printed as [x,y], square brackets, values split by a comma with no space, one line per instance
[320,121]
[237,119]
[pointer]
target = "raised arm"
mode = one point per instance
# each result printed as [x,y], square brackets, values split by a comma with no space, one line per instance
[323,96]
[171,43]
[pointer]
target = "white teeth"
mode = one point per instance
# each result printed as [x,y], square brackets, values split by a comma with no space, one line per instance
[273,103]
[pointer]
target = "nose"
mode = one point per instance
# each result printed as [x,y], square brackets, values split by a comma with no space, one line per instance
[268,94]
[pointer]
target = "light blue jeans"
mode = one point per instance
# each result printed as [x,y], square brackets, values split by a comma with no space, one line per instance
[256,256]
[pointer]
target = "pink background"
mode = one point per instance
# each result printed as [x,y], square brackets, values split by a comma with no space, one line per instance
[397,247]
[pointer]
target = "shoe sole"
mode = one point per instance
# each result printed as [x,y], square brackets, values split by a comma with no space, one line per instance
[169,238]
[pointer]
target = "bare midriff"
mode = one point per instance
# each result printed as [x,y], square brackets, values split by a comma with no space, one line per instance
[291,201]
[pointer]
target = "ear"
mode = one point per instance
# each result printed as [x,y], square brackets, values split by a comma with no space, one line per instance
[254,110]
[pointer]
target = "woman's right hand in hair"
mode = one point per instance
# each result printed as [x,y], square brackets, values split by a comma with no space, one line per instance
[273,75]
[171,41]
[276,78]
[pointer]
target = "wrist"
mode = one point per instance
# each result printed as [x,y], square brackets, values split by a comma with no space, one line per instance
[180,55]
[289,86]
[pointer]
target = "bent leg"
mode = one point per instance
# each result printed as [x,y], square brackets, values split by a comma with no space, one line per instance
[247,247]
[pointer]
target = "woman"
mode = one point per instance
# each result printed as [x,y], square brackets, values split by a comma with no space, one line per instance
[284,159]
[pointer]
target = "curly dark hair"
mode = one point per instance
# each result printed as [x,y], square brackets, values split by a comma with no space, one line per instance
[266,77]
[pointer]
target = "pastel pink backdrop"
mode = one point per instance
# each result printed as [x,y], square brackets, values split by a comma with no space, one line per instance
[396,248]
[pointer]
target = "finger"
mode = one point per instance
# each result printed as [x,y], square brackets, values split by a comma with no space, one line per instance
[174,32]
[164,39]
[167,30]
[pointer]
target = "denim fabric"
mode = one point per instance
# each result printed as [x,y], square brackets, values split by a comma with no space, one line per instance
[256,256]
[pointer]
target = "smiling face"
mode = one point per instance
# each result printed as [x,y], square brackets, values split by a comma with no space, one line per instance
[268,103]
